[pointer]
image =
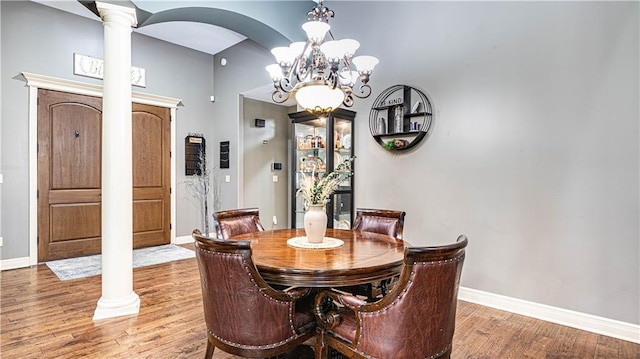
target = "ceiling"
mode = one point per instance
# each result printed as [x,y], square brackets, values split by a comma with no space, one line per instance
[200,36]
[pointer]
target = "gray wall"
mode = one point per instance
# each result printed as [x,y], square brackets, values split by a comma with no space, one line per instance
[243,71]
[535,150]
[258,188]
[534,154]
[42,40]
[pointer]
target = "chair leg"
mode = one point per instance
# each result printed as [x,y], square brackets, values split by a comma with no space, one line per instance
[322,351]
[210,348]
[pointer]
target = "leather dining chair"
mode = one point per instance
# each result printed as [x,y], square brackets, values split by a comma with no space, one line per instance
[416,319]
[244,316]
[383,221]
[234,222]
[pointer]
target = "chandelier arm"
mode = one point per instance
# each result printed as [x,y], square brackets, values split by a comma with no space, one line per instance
[364,91]
[278,96]
[348,100]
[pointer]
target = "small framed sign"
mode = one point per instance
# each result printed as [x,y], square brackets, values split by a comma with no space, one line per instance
[224,154]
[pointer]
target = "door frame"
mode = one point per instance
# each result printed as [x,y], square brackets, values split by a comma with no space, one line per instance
[35,82]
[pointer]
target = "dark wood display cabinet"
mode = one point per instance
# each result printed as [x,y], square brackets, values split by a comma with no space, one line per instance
[400,118]
[319,144]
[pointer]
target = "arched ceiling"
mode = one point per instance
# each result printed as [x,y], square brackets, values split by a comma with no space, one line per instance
[209,26]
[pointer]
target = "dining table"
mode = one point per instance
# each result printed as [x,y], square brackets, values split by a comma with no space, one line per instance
[353,257]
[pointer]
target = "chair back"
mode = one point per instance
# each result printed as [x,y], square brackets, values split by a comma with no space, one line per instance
[381,221]
[234,222]
[243,314]
[417,318]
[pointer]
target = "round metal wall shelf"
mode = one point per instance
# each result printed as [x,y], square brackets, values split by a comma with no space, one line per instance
[400,118]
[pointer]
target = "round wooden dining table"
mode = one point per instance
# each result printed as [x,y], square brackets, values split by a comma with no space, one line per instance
[363,258]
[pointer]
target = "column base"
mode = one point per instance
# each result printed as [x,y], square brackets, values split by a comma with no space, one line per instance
[116,308]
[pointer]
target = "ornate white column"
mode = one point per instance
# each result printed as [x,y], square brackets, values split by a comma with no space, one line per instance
[118,297]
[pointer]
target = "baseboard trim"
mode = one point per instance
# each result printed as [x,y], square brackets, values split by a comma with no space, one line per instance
[14,263]
[188,239]
[599,325]
[183,240]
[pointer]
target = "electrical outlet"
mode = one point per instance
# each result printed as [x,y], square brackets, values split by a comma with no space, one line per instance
[227,178]
[275,178]
[2,242]
[1,178]
[275,220]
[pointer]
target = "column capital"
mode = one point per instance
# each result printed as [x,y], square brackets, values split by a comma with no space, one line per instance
[118,13]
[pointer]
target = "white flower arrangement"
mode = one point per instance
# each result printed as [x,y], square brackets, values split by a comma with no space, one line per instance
[316,191]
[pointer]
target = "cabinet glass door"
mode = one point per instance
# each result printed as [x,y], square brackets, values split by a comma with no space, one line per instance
[320,144]
[310,156]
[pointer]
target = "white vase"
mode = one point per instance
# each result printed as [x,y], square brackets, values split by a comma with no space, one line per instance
[315,223]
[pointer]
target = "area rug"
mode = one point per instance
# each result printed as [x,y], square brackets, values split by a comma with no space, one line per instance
[73,268]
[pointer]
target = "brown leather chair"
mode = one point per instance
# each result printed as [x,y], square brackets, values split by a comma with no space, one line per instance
[234,222]
[243,314]
[383,221]
[415,320]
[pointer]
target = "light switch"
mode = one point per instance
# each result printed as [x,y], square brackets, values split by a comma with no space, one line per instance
[227,178]
[275,178]
[1,178]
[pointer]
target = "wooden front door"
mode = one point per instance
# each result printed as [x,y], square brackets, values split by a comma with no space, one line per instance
[69,175]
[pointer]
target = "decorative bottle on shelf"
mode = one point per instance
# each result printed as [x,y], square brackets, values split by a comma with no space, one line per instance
[382,126]
[398,119]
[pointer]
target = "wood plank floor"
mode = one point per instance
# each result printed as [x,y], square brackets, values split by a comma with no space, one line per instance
[42,317]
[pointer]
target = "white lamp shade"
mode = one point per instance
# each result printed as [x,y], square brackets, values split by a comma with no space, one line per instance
[349,46]
[296,48]
[282,55]
[332,50]
[275,71]
[316,30]
[313,96]
[365,64]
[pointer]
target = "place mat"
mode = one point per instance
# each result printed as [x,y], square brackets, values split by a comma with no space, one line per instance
[303,242]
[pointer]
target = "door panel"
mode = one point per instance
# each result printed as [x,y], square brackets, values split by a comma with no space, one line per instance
[75,221]
[151,175]
[75,146]
[148,216]
[69,175]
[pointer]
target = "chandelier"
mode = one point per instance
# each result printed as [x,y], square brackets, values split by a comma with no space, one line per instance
[320,72]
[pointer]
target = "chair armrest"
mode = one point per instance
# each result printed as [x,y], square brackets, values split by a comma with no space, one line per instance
[326,307]
[297,292]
